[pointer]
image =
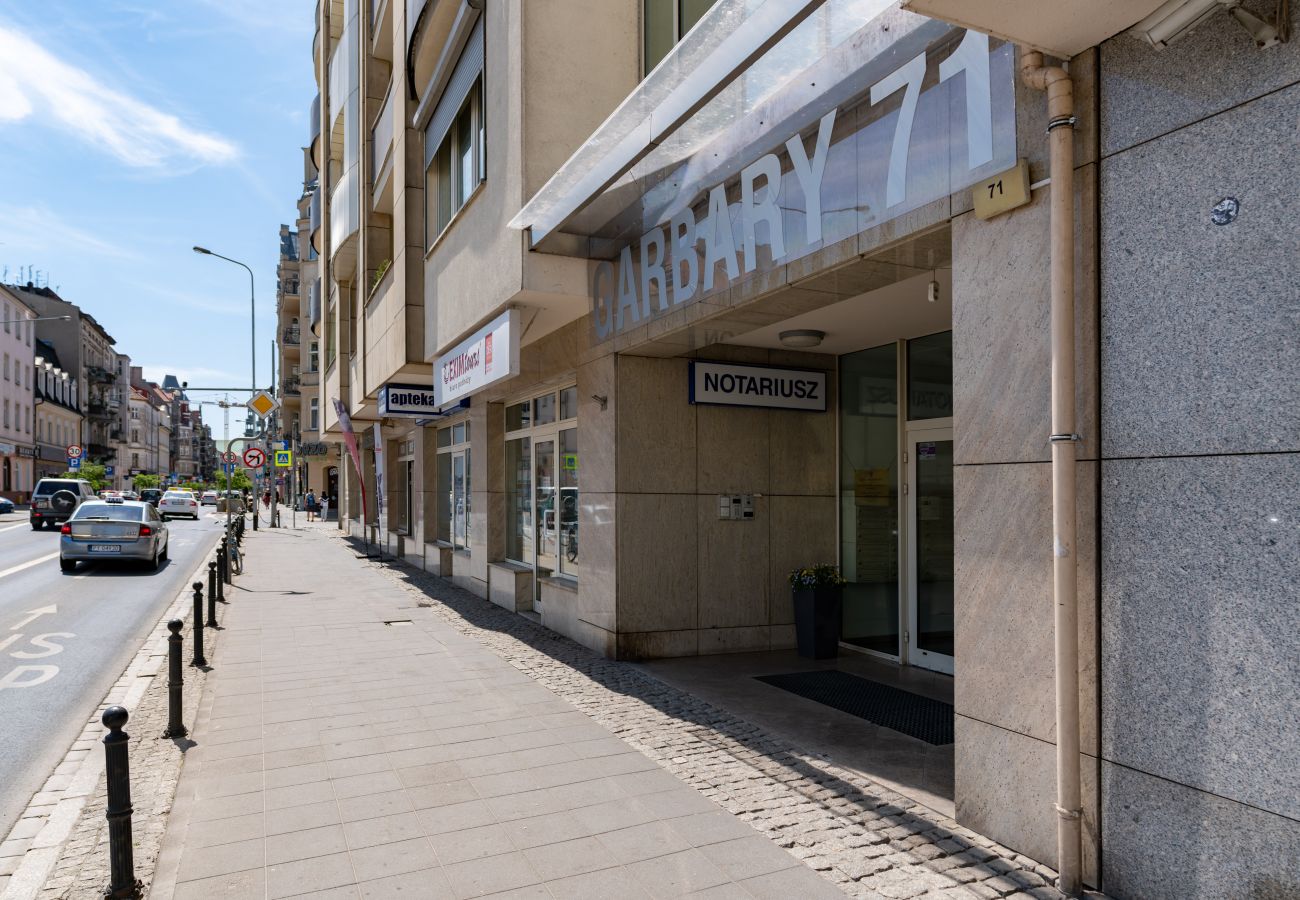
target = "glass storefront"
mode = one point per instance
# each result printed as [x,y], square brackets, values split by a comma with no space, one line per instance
[542,483]
[454,485]
[869,497]
[896,499]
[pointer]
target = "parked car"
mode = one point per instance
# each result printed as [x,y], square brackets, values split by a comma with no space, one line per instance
[151,496]
[6,505]
[209,498]
[178,503]
[129,495]
[114,529]
[55,500]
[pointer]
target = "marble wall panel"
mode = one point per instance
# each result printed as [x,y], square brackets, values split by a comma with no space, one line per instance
[598,558]
[1146,94]
[1166,841]
[732,450]
[733,555]
[1200,340]
[597,423]
[1200,650]
[634,645]
[657,562]
[1001,330]
[734,640]
[801,531]
[1006,790]
[1003,565]
[656,427]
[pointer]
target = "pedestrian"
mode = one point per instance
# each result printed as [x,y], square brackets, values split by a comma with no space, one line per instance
[311,505]
[324,507]
[266,498]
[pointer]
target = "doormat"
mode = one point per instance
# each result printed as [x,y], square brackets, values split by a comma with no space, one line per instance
[916,716]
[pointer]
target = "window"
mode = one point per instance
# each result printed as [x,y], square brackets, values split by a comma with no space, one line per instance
[665,23]
[313,356]
[457,167]
[315,414]
[331,335]
[542,483]
[6,365]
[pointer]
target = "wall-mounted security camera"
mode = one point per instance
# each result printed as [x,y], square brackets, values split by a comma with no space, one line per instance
[1178,18]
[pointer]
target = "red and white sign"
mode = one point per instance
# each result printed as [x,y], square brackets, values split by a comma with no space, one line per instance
[490,355]
[74,451]
[254,457]
[228,456]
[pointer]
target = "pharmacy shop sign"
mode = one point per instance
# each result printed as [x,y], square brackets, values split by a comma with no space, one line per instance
[912,127]
[407,400]
[727,384]
[489,355]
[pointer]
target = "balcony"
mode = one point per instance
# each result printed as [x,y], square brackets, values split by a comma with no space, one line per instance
[314,307]
[381,155]
[292,386]
[291,335]
[313,217]
[99,375]
[98,409]
[314,132]
[345,216]
[100,452]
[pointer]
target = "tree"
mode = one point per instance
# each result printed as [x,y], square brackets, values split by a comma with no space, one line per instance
[92,472]
[239,481]
[141,482]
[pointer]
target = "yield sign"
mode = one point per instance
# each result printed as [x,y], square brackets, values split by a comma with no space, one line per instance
[254,457]
[263,404]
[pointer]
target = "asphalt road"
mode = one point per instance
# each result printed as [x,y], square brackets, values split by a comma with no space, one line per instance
[64,640]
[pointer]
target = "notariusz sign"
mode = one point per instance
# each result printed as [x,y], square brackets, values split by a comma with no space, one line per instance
[727,384]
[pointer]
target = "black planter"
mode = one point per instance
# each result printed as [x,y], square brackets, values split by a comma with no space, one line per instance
[817,614]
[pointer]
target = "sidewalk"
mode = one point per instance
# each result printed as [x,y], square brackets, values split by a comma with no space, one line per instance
[374,732]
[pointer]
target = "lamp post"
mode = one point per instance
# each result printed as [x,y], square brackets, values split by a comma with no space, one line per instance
[252,305]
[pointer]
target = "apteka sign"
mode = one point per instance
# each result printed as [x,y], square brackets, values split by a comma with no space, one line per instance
[727,384]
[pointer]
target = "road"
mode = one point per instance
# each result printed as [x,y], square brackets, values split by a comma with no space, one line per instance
[64,640]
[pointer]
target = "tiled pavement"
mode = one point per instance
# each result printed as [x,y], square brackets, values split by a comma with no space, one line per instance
[339,756]
[462,751]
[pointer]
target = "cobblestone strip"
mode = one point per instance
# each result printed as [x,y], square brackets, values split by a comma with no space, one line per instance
[64,853]
[868,840]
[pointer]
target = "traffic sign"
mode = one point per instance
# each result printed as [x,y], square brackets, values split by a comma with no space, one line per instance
[108,470]
[284,445]
[74,451]
[283,459]
[254,457]
[228,456]
[74,463]
[263,404]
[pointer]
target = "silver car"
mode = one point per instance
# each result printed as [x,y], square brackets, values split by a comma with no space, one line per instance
[113,530]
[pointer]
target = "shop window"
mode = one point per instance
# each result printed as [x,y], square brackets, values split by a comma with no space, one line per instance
[453,489]
[665,22]
[457,167]
[929,377]
[542,483]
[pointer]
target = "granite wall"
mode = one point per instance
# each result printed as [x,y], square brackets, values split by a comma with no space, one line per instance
[1200,468]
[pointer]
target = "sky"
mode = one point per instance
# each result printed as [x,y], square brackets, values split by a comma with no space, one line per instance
[132,130]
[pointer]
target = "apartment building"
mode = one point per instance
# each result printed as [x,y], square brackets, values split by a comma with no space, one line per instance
[58,411]
[634,306]
[147,448]
[17,440]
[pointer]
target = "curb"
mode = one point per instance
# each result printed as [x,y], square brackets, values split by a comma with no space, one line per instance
[57,807]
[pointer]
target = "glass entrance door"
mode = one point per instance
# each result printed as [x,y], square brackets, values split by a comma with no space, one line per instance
[930,548]
[547,523]
[460,500]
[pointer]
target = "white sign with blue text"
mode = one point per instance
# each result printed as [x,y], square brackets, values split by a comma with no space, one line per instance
[728,384]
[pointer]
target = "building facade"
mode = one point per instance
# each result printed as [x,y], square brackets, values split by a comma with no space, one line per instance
[17,440]
[633,311]
[58,412]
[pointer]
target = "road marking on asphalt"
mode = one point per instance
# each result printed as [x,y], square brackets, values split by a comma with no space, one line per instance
[51,648]
[29,564]
[43,674]
[12,527]
[5,642]
[35,614]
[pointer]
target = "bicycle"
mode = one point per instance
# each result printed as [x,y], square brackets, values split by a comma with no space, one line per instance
[232,551]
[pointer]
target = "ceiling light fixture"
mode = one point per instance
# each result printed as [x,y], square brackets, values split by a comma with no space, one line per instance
[802,338]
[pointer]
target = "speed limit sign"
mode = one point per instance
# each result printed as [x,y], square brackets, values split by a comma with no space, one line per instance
[254,457]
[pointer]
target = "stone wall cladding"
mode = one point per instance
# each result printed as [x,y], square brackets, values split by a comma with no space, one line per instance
[869,841]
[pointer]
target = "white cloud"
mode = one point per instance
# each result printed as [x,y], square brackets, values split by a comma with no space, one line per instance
[36,229]
[33,81]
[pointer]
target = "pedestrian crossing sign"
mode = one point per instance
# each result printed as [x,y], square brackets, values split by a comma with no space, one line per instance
[283,459]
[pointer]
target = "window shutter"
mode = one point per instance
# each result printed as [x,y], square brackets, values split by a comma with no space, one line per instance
[467,71]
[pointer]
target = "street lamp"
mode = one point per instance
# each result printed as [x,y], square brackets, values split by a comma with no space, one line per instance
[252,307]
[36,319]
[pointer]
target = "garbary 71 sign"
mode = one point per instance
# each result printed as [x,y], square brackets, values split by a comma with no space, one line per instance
[933,125]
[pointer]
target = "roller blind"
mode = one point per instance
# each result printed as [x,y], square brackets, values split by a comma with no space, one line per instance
[467,71]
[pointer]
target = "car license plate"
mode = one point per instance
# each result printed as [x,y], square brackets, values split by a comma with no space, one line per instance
[105,548]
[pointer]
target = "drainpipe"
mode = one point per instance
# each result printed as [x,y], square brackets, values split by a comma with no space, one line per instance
[1064,441]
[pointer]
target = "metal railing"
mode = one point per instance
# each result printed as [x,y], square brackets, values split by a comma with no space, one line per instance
[293,334]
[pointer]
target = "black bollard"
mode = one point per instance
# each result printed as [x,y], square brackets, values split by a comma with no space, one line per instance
[212,597]
[221,581]
[254,512]
[122,882]
[175,681]
[212,581]
[199,659]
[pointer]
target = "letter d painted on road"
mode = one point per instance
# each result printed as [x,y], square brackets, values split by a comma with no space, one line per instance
[13,679]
